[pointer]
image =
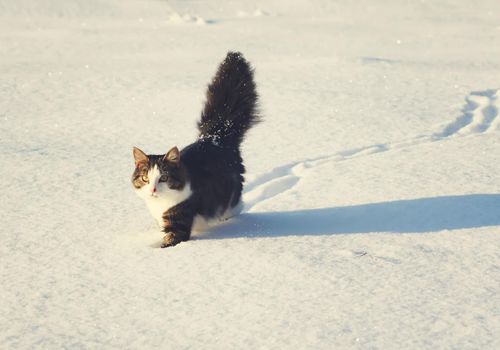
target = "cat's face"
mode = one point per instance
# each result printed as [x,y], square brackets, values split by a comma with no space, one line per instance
[157,174]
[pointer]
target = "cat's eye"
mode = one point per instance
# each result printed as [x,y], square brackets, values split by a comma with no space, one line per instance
[144,178]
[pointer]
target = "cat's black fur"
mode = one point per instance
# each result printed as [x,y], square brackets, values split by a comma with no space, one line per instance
[212,165]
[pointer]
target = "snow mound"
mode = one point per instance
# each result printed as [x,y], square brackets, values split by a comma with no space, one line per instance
[256,13]
[187,18]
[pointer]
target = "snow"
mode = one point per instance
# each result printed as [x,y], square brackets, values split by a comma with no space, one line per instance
[372,202]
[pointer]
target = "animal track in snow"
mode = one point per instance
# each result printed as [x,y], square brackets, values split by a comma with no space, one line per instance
[271,184]
[479,116]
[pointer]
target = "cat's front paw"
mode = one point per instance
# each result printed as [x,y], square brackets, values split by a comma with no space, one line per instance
[169,240]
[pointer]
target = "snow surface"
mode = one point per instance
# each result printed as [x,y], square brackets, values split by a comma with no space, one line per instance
[372,216]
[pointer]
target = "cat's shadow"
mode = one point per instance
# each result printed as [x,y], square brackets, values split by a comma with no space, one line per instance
[402,216]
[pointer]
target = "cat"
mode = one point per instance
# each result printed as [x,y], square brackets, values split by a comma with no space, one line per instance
[205,179]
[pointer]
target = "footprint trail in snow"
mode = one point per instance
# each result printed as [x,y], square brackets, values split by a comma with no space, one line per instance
[478,116]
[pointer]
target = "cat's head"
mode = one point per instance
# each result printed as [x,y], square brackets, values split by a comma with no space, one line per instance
[156,174]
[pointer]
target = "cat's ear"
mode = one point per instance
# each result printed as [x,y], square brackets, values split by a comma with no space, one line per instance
[140,156]
[173,156]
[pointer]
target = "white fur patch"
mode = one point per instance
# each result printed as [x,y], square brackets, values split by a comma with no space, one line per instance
[163,198]
[202,224]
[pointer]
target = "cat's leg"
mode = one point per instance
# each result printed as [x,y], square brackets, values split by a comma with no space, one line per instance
[178,221]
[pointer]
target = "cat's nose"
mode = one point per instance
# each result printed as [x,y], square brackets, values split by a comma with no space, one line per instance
[153,191]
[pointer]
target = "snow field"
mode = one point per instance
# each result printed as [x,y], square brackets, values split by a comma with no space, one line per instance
[372,198]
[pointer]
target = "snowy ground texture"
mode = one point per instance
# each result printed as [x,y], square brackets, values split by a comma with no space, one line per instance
[372,216]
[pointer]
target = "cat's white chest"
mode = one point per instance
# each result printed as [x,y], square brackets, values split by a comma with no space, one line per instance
[164,199]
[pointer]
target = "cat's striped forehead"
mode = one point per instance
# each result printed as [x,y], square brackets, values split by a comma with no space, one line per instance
[153,161]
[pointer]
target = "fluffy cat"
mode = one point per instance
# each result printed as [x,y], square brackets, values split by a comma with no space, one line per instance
[206,177]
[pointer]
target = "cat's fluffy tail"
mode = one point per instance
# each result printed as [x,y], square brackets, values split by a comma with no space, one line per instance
[231,106]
